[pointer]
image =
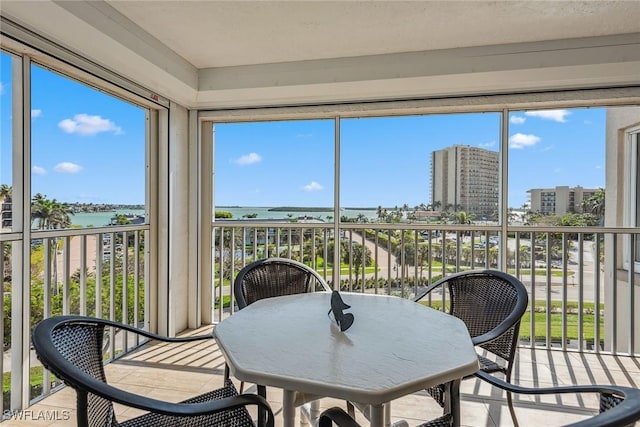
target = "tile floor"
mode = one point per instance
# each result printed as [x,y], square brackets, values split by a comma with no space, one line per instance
[176,372]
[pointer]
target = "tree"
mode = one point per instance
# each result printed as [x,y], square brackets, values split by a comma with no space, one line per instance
[462,217]
[50,213]
[5,191]
[361,258]
[595,204]
[121,219]
[361,218]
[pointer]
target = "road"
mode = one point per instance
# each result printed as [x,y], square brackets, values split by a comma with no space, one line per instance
[573,287]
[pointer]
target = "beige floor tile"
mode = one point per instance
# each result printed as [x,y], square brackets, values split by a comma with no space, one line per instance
[174,373]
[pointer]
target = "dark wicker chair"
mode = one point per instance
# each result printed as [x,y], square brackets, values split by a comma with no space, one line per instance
[619,406]
[71,348]
[491,304]
[273,277]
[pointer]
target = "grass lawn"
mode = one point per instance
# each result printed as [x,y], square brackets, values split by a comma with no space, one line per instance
[588,327]
[588,320]
[35,378]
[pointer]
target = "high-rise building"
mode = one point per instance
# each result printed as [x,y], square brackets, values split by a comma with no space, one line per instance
[559,200]
[5,212]
[465,178]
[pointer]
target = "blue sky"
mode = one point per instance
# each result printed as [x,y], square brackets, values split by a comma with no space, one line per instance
[88,146]
[386,161]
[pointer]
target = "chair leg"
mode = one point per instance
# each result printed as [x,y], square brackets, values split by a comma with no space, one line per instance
[512,409]
[351,410]
[226,377]
[262,413]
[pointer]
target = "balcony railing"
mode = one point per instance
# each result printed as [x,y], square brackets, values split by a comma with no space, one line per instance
[562,268]
[573,306]
[98,272]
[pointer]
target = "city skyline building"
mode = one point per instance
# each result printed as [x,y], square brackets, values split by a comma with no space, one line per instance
[465,178]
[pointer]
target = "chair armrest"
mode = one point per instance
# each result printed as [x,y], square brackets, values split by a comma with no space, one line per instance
[624,413]
[81,381]
[338,416]
[430,288]
[75,377]
[138,331]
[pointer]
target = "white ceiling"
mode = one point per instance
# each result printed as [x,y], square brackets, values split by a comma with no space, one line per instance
[228,33]
[220,54]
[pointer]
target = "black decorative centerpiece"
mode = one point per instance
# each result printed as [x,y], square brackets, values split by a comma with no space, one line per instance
[344,320]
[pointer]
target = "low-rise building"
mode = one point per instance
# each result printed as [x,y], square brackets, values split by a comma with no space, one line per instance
[560,200]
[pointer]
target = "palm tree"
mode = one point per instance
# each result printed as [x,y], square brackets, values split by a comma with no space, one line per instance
[463,218]
[5,191]
[595,204]
[50,213]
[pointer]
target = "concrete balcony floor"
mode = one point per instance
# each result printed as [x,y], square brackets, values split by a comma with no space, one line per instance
[176,372]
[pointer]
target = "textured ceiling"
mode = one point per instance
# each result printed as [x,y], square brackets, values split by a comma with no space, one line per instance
[234,54]
[228,33]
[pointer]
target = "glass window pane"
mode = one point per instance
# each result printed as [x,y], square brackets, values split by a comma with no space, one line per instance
[421,168]
[636,142]
[556,166]
[88,154]
[275,170]
[6,129]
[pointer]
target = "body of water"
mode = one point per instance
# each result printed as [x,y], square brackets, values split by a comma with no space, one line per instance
[267,213]
[101,219]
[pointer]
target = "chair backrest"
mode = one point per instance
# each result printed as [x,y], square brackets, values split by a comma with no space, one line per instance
[272,277]
[485,300]
[64,344]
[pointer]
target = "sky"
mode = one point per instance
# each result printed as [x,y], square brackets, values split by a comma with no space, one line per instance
[88,147]
[386,161]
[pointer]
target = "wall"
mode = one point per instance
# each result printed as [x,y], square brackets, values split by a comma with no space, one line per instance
[616,207]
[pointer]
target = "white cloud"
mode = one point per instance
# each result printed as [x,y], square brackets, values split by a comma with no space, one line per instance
[67,167]
[38,170]
[517,120]
[36,113]
[521,140]
[487,144]
[1,88]
[249,159]
[84,124]
[555,115]
[312,186]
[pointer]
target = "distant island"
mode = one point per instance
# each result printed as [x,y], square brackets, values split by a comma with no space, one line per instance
[299,209]
[100,207]
[303,209]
